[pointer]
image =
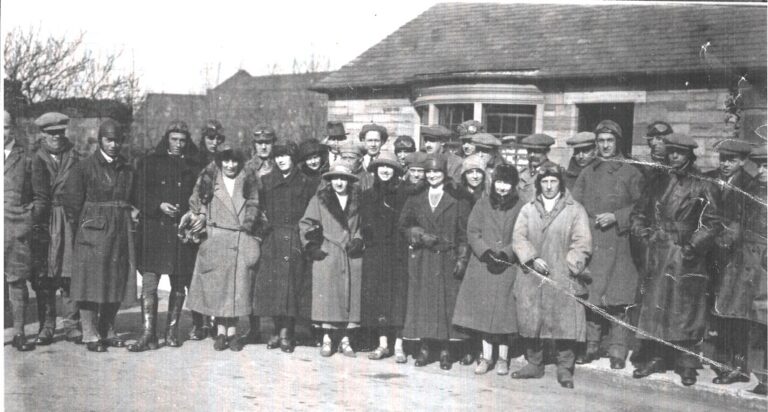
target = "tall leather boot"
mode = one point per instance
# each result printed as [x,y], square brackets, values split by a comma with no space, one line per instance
[46,314]
[148,339]
[175,305]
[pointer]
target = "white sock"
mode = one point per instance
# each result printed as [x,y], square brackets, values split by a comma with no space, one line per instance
[327,339]
[503,352]
[383,342]
[398,344]
[487,350]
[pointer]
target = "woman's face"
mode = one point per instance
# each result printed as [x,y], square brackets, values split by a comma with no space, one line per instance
[339,185]
[416,175]
[550,187]
[502,188]
[284,163]
[385,173]
[313,162]
[474,177]
[230,167]
[763,172]
[468,148]
[435,177]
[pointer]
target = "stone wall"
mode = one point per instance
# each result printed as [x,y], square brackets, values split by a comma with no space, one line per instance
[397,115]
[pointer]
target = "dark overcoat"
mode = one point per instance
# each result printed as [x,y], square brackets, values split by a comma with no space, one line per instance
[282,266]
[385,270]
[48,177]
[162,178]
[17,199]
[336,278]
[563,239]
[97,199]
[485,301]
[679,208]
[432,288]
[610,186]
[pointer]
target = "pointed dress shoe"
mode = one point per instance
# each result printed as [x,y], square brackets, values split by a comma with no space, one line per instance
[220,343]
[97,346]
[274,342]
[729,377]
[688,376]
[566,384]
[114,342]
[423,357]
[235,343]
[445,360]
[287,345]
[44,337]
[653,366]
[20,343]
[760,389]
[528,372]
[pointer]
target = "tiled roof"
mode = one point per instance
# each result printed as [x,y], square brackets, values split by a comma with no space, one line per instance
[244,81]
[556,41]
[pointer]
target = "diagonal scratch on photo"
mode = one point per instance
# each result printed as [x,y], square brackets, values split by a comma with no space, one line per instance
[512,205]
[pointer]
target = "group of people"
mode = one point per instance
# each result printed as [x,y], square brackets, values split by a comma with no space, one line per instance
[462,250]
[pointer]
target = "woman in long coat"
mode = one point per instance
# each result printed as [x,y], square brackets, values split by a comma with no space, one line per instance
[330,233]
[551,238]
[485,302]
[435,223]
[385,273]
[225,202]
[284,195]
[677,218]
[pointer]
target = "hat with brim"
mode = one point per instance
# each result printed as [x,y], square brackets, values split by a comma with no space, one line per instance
[415,160]
[340,169]
[336,131]
[485,140]
[758,153]
[733,147]
[310,147]
[435,162]
[680,141]
[352,147]
[473,162]
[539,141]
[581,139]
[385,158]
[52,121]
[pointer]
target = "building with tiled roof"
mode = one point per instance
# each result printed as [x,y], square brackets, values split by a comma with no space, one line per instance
[560,69]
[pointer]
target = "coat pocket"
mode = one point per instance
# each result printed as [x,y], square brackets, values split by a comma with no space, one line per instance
[250,248]
[91,231]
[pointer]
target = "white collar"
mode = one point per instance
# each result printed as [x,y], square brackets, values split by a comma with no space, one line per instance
[106,157]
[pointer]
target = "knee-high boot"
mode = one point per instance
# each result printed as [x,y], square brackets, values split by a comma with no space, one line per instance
[46,314]
[148,339]
[175,305]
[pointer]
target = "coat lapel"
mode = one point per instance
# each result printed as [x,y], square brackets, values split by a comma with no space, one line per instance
[13,157]
[220,191]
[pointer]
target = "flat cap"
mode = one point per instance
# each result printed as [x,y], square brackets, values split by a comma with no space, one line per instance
[436,132]
[658,128]
[336,130]
[373,127]
[733,147]
[486,140]
[581,139]
[473,162]
[758,153]
[468,128]
[680,140]
[350,146]
[415,160]
[52,121]
[385,158]
[264,133]
[609,126]
[537,141]
[405,143]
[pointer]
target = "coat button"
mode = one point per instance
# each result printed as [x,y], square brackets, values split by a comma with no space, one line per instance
[286,258]
[286,238]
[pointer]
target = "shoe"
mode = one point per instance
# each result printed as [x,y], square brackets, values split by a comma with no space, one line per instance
[445,360]
[234,343]
[528,372]
[618,363]
[20,342]
[97,346]
[688,376]
[274,342]
[567,384]
[423,357]
[760,389]
[467,359]
[175,306]
[77,340]
[346,349]
[198,333]
[379,353]
[502,367]
[400,356]
[114,342]
[586,358]
[220,343]
[655,365]
[44,337]
[287,345]
[326,349]
[483,366]
[729,377]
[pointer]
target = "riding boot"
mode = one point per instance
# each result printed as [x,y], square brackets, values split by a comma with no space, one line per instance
[46,314]
[148,339]
[175,305]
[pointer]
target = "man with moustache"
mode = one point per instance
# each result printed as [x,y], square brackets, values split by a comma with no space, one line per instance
[584,152]
[608,189]
[51,166]
[435,138]
[537,146]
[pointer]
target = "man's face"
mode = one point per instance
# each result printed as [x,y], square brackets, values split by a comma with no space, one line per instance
[432,146]
[658,147]
[474,177]
[352,159]
[435,177]
[536,157]
[606,145]
[54,138]
[334,145]
[468,147]
[176,143]
[284,163]
[372,142]
[263,149]
[550,187]
[677,157]
[7,128]
[111,146]
[212,142]
[762,171]
[584,155]
[385,173]
[313,162]
[730,164]
[416,175]
[401,155]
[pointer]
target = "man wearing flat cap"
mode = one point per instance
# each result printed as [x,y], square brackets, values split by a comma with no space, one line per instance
[584,152]
[435,138]
[677,218]
[608,188]
[53,236]
[537,146]
[732,308]
[98,199]
[373,137]
[336,136]
[466,130]
[261,159]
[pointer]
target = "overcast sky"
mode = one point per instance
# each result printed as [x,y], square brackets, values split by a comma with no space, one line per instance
[180,46]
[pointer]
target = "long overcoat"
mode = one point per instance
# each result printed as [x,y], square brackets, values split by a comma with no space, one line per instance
[222,281]
[610,186]
[17,199]
[485,301]
[680,209]
[48,177]
[305,286]
[432,288]
[385,269]
[741,290]
[335,279]
[162,178]
[282,266]
[97,199]
[561,238]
